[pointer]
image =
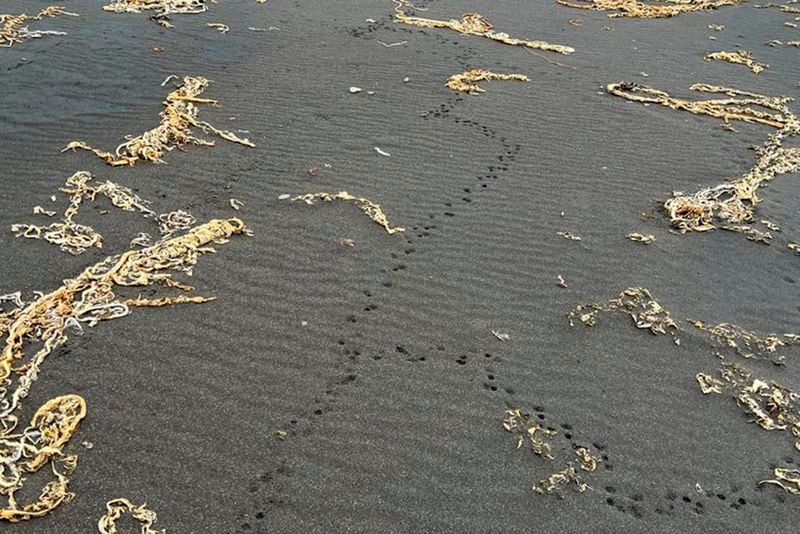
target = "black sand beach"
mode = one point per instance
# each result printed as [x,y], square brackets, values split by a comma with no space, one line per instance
[378,360]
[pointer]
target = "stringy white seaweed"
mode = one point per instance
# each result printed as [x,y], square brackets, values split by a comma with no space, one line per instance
[473,24]
[12,29]
[733,201]
[32,332]
[76,238]
[653,10]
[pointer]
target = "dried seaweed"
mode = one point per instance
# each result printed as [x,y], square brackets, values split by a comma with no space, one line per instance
[162,8]
[372,210]
[473,24]
[529,430]
[641,238]
[785,478]
[466,81]
[638,303]
[560,480]
[39,327]
[769,404]
[733,201]
[740,57]
[746,343]
[73,237]
[13,28]
[116,508]
[641,10]
[540,440]
[174,131]
[752,234]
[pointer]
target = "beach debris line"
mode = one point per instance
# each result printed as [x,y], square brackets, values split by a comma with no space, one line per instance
[179,117]
[472,24]
[647,313]
[746,343]
[741,57]
[466,81]
[372,210]
[653,10]
[162,8]
[37,328]
[73,237]
[116,508]
[540,440]
[13,28]
[732,202]
[638,303]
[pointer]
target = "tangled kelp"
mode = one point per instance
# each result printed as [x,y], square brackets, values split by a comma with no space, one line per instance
[13,28]
[162,8]
[372,210]
[466,81]
[746,343]
[174,131]
[733,201]
[740,57]
[116,508]
[657,9]
[638,303]
[73,237]
[34,330]
[473,24]
[540,439]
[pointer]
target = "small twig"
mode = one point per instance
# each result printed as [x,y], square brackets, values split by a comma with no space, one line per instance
[392,44]
[549,60]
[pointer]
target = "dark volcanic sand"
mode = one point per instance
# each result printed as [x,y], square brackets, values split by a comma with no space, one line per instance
[393,392]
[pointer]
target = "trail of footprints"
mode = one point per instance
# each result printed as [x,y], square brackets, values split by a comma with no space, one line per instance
[270,488]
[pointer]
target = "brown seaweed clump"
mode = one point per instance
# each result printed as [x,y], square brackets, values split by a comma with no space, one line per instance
[71,236]
[636,302]
[740,57]
[473,24]
[372,210]
[34,330]
[116,508]
[13,28]
[466,81]
[174,131]
[733,201]
[655,10]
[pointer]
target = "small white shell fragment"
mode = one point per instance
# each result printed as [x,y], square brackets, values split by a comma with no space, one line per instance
[284,196]
[381,152]
[406,79]
[370,20]
[355,89]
